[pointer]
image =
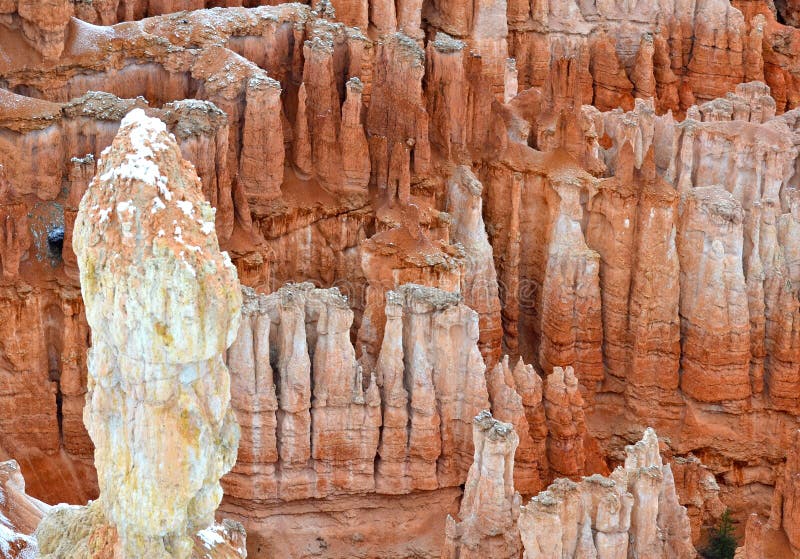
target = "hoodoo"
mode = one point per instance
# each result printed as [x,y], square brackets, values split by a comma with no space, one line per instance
[164,304]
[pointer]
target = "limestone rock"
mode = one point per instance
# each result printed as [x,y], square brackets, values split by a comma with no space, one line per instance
[163,303]
[698,491]
[489,509]
[632,513]
[317,428]
[44,24]
[70,531]
[788,10]
[445,384]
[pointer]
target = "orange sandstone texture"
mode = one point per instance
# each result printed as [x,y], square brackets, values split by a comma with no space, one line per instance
[597,185]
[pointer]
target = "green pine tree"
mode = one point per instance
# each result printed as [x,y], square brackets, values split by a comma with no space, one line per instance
[722,544]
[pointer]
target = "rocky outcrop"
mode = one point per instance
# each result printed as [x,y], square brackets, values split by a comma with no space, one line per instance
[580,172]
[445,380]
[302,438]
[163,303]
[331,423]
[43,26]
[563,407]
[479,279]
[489,509]
[516,396]
[719,317]
[789,11]
[698,491]
[784,511]
[316,431]
[19,514]
[776,535]
[634,512]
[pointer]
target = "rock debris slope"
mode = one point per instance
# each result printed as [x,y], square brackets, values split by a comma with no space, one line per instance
[604,191]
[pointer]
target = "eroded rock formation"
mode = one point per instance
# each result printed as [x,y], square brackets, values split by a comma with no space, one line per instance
[163,303]
[777,535]
[490,507]
[633,513]
[314,426]
[293,354]
[610,185]
[20,514]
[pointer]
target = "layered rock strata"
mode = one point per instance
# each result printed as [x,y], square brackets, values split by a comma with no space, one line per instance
[310,424]
[633,513]
[489,509]
[293,349]
[777,535]
[402,151]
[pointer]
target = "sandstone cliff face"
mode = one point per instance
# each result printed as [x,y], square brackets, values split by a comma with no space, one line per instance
[580,172]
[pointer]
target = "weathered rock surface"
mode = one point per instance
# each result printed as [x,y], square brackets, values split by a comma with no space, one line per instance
[580,172]
[20,514]
[315,426]
[763,537]
[163,303]
[490,507]
[633,513]
[516,397]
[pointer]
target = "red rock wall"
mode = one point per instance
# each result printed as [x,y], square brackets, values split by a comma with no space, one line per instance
[599,181]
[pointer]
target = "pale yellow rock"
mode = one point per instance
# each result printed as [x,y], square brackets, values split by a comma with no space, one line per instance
[164,304]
